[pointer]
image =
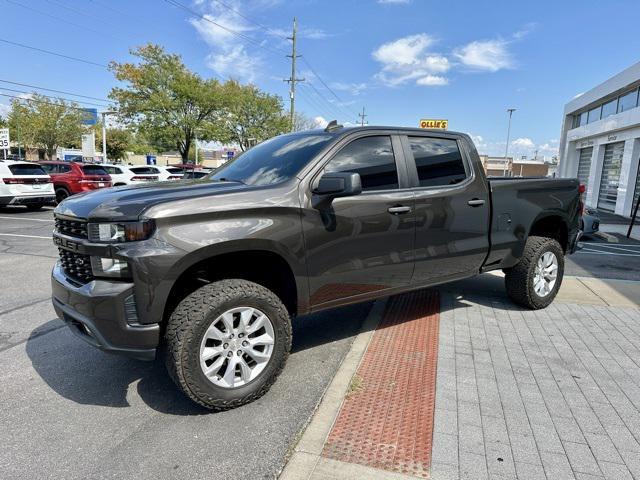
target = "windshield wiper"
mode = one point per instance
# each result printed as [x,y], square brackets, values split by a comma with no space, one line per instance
[224,179]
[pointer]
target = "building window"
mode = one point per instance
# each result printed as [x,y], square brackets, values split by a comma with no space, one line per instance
[628,101]
[594,114]
[609,108]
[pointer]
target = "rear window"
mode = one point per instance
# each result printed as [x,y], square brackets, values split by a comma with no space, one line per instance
[94,170]
[27,169]
[142,170]
[174,170]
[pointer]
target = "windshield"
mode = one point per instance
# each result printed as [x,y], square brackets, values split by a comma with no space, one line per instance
[275,160]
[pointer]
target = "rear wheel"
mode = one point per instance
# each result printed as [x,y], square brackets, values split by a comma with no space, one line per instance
[32,207]
[534,282]
[61,194]
[227,342]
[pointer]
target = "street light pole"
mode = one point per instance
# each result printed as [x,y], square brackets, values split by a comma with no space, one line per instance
[506,150]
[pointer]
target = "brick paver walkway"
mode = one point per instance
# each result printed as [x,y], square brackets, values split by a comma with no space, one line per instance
[553,393]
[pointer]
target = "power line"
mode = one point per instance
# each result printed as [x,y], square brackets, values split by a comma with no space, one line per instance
[39,101]
[54,98]
[41,50]
[60,19]
[55,91]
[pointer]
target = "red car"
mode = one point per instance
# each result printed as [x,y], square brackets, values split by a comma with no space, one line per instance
[71,177]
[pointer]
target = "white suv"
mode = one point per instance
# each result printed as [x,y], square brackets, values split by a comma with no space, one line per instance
[131,175]
[25,183]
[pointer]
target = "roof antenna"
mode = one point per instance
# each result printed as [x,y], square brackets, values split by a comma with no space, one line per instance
[333,125]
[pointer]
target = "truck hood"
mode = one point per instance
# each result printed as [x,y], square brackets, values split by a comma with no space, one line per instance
[129,202]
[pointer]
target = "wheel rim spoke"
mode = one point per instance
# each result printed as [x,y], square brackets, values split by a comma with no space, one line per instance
[236,347]
[546,274]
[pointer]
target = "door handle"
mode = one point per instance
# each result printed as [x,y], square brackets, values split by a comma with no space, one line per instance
[399,209]
[476,202]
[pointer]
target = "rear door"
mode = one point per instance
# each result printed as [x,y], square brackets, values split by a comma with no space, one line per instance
[451,208]
[361,245]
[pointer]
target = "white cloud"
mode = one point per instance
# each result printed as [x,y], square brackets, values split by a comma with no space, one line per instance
[4,109]
[525,30]
[523,143]
[489,55]
[321,122]
[229,57]
[353,88]
[432,80]
[408,59]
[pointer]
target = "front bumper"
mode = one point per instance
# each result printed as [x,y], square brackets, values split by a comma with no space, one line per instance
[27,199]
[103,313]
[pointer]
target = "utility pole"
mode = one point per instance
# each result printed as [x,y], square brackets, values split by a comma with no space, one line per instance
[293,79]
[506,150]
[362,117]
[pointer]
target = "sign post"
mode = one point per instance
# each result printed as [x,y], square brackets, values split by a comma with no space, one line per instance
[89,146]
[439,124]
[4,141]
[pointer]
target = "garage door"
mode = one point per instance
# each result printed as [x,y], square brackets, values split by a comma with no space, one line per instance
[610,176]
[584,167]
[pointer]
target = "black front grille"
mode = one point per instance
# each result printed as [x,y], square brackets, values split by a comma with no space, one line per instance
[73,228]
[76,266]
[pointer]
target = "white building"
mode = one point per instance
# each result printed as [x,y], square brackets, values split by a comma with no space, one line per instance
[600,142]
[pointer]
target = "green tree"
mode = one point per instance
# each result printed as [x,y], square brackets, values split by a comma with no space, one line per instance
[164,100]
[302,122]
[119,142]
[46,123]
[250,116]
[3,122]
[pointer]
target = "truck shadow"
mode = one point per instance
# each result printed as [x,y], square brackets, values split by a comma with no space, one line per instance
[87,376]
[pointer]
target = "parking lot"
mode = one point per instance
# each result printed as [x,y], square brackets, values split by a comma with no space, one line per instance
[70,411]
[82,413]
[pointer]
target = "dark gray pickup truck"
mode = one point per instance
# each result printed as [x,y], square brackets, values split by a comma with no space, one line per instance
[208,273]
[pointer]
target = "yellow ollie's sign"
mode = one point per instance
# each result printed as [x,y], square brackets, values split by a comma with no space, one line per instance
[437,124]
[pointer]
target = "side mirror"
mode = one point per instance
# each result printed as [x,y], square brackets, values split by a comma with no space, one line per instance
[339,184]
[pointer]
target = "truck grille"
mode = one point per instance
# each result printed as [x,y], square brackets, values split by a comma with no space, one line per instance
[76,266]
[73,228]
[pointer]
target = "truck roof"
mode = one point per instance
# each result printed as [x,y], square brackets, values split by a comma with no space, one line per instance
[339,129]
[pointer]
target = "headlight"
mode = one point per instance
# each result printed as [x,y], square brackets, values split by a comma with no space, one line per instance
[120,232]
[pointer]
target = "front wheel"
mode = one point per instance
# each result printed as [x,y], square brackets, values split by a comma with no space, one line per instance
[61,194]
[227,342]
[534,282]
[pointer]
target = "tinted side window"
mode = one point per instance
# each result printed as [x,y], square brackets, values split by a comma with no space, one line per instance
[50,168]
[64,168]
[438,161]
[372,158]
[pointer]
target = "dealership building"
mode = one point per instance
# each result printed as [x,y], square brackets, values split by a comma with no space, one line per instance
[600,142]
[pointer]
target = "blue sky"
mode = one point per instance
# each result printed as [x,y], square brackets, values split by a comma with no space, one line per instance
[403,60]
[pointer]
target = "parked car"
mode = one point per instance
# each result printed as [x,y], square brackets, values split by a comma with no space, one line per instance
[208,275]
[24,183]
[71,177]
[590,221]
[193,174]
[170,173]
[131,175]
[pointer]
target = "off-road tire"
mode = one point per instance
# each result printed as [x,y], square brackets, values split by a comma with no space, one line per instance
[34,207]
[190,320]
[519,279]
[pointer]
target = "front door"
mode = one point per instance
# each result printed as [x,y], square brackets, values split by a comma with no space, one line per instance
[360,245]
[452,209]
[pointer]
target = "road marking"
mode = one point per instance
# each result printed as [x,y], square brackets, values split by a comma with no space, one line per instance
[596,252]
[18,235]
[619,249]
[28,219]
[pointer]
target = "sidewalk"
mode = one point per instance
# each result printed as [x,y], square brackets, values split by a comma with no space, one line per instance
[553,393]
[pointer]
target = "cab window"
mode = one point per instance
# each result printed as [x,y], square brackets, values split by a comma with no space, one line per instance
[438,161]
[372,158]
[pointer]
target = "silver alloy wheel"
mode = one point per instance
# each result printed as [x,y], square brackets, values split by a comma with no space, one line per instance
[236,347]
[546,274]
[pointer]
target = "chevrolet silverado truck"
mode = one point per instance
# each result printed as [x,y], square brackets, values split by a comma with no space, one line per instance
[207,274]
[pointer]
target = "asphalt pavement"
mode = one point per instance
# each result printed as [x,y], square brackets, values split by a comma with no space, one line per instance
[606,255]
[70,411]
